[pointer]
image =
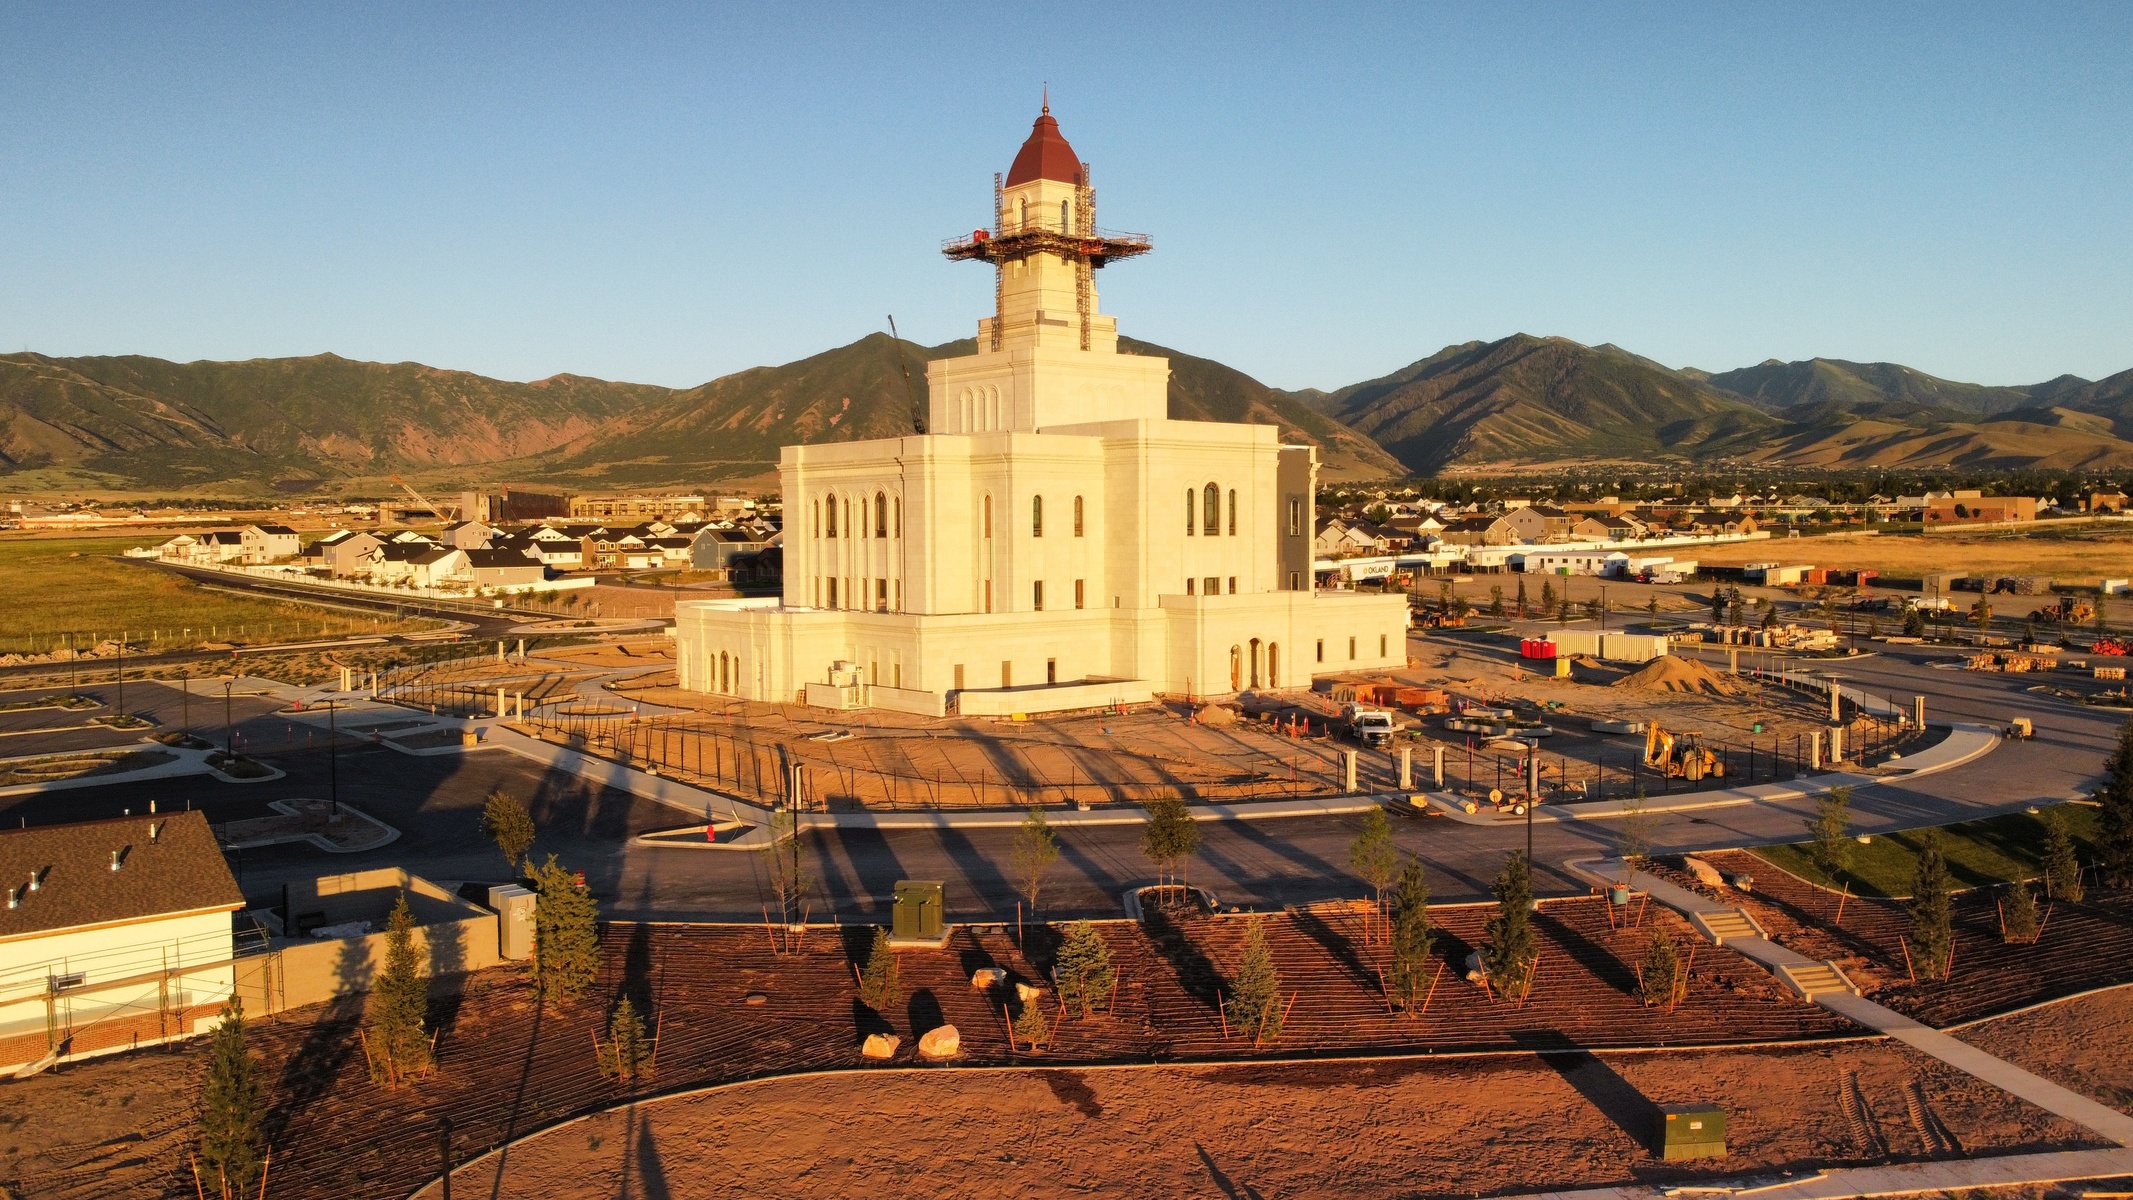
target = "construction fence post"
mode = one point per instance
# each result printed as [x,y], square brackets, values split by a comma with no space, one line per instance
[1348,771]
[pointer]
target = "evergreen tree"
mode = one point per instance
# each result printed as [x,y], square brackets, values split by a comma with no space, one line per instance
[2062,867]
[1412,939]
[1496,600]
[1031,854]
[2114,823]
[1830,830]
[1718,606]
[1031,1026]
[505,821]
[1521,601]
[1372,855]
[233,1108]
[1914,623]
[1509,956]
[2018,914]
[628,1053]
[1736,607]
[1171,835]
[1981,613]
[1659,979]
[1082,972]
[1932,909]
[1633,841]
[399,1002]
[881,987]
[1547,603]
[566,937]
[1255,990]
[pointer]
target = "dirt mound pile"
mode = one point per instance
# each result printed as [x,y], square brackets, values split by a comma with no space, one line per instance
[1670,674]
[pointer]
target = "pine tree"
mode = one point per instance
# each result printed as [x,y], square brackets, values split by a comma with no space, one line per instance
[1830,830]
[1412,939]
[1914,623]
[2062,866]
[1718,606]
[1255,990]
[1031,854]
[2018,914]
[1031,1027]
[628,1053]
[1932,909]
[399,1002]
[2114,823]
[1083,972]
[233,1107]
[881,987]
[1509,956]
[566,937]
[1547,602]
[1659,979]
[1372,855]
[1496,600]
[1170,836]
[505,821]
[1521,602]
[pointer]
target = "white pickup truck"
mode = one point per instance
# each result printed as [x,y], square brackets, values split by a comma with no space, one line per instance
[1371,726]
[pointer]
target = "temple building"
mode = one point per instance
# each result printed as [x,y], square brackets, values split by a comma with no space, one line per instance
[1050,540]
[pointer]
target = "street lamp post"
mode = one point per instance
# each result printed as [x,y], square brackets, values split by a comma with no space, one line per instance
[333,755]
[229,726]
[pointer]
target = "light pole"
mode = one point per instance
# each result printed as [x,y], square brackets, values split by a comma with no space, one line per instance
[1603,608]
[333,754]
[229,726]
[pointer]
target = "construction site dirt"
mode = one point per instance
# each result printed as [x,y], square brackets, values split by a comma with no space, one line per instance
[506,1069]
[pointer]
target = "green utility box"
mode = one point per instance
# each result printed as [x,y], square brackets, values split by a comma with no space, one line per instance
[918,910]
[1692,1131]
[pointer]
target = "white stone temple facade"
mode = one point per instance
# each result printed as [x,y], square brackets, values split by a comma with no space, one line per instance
[1052,541]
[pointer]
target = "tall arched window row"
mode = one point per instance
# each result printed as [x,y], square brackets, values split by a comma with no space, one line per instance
[1233,512]
[817,526]
[1211,514]
[881,515]
[1077,516]
[988,516]
[1036,516]
[1192,500]
[830,530]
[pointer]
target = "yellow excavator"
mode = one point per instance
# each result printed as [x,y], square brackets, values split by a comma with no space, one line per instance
[1683,755]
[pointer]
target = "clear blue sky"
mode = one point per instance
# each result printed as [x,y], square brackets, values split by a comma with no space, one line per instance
[669,194]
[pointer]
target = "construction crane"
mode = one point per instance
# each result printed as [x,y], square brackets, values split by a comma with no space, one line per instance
[441,512]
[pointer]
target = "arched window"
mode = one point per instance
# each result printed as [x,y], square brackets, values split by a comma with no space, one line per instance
[1036,516]
[848,514]
[899,516]
[1063,226]
[1236,669]
[1025,214]
[1192,499]
[1233,512]
[1273,664]
[881,515]
[1211,514]
[817,527]
[988,516]
[860,530]
[1255,662]
[1077,516]
[830,530]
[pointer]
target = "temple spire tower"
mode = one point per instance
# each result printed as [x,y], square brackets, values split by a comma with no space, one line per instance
[1045,340]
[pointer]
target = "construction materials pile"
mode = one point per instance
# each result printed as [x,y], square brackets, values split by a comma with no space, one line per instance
[1671,674]
[2004,661]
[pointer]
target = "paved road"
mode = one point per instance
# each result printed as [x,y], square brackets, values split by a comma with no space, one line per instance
[435,801]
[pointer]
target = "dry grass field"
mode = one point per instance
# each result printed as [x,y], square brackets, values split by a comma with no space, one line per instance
[2078,554]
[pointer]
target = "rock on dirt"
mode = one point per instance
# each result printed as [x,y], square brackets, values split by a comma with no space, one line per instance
[940,1042]
[880,1045]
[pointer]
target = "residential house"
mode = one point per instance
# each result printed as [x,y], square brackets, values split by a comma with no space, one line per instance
[1976,510]
[1607,529]
[606,551]
[268,543]
[1337,537]
[116,933]
[1482,530]
[1537,523]
[346,552]
[503,567]
[418,565]
[2106,502]
[469,535]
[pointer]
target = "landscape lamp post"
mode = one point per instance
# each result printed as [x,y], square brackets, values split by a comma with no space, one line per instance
[122,676]
[229,727]
[185,704]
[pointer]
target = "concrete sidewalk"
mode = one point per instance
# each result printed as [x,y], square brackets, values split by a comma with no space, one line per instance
[1965,744]
[1948,1175]
[2000,1073]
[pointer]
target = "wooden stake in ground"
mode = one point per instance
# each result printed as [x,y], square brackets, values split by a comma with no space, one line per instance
[1847,894]
[1432,989]
[1908,969]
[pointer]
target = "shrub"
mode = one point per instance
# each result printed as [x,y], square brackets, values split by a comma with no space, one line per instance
[1659,980]
[1083,972]
[1831,831]
[881,988]
[2062,866]
[1255,990]
[2018,914]
[505,821]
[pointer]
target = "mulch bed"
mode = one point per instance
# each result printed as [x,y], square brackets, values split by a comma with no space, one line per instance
[506,1069]
[2084,946]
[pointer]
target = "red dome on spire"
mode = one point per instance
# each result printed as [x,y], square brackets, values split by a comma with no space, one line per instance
[1045,155]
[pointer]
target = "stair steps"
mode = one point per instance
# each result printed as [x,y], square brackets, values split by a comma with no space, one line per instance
[1725,925]
[1815,979]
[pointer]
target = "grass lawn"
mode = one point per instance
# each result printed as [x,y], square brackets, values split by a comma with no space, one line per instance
[54,587]
[1980,853]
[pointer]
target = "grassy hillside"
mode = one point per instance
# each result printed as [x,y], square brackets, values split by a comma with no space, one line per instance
[1526,400]
[1825,384]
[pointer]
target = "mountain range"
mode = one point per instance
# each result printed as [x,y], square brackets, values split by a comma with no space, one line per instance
[1522,402]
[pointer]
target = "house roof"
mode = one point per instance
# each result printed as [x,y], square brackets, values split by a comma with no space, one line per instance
[276,530]
[1045,155]
[174,869]
[500,556]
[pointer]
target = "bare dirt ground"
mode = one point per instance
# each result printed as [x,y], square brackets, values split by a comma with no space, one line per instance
[2071,553]
[1359,1129]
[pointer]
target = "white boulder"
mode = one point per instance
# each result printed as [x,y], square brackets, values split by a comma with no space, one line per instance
[1025,993]
[940,1042]
[988,977]
[880,1045]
